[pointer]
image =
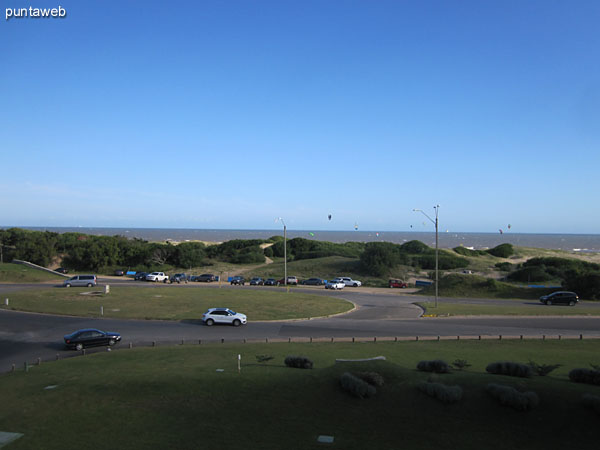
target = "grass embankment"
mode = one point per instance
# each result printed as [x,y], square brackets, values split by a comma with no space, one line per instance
[175,303]
[175,398]
[18,273]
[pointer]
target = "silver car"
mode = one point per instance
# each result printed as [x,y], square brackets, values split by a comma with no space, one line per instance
[81,280]
[223,315]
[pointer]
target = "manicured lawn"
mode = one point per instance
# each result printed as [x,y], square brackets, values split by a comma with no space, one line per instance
[509,308]
[175,303]
[174,397]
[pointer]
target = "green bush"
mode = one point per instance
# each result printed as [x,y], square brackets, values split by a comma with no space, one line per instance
[504,266]
[587,284]
[502,251]
[587,376]
[543,369]
[445,394]
[460,364]
[373,378]
[298,362]
[529,274]
[436,365]
[468,252]
[268,251]
[509,396]
[510,368]
[356,387]
[414,248]
[592,401]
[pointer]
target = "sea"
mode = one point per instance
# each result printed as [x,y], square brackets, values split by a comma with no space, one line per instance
[567,242]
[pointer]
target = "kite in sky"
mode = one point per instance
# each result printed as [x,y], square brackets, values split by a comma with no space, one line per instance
[355,226]
[329,216]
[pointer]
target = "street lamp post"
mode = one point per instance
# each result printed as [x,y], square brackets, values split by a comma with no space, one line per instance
[284,252]
[435,222]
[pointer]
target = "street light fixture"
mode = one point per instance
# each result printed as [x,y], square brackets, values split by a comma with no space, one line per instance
[284,251]
[435,222]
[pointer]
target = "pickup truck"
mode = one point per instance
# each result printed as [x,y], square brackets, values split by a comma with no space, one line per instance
[157,276]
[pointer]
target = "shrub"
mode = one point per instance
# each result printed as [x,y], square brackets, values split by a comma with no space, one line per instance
[528,274]
[442,392]
[464,251]
[510,368]
[587,376]
[437,366]
[504,266]
[298,362]
[355,386]
[592,401]
[460,364]
[373,378]
[543,369]
[268,251]
[508,396]
[502,250]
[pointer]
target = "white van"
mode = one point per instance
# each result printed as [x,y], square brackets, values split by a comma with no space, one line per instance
[81,280]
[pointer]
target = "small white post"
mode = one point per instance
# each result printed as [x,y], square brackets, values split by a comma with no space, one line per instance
[107,289]
[6,301]
[102,310]
[239,363]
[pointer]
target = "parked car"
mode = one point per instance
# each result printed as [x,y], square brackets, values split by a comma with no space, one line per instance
[335,284]
[90,337]
[560,297]
[397,284]
[157,276]
[61,270]
[179,278]
[257,281]
[223,315]
[205,278]
[290,281]
[119,273]
[238,280]
[350,282]
[270,282]
[140,276]
[81,280]
[313,282]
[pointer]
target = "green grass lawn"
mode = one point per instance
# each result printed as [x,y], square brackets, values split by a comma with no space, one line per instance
[175,303]
[18,273]
[173,397]
[509,308]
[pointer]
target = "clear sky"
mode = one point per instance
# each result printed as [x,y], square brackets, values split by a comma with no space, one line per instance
[228,114]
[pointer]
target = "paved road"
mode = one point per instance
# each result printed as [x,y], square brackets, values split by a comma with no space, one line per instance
[28,336]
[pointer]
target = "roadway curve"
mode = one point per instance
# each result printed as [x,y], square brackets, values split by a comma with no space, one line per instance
[25,337]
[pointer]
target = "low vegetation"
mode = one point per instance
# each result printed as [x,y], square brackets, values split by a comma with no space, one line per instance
[159,397]
[509,368]
[509,396]
[174,303]
[443,393]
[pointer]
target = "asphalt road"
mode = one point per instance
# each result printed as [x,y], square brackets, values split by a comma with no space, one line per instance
[25,337]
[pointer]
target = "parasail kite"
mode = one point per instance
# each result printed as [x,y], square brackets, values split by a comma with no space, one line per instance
[329,216]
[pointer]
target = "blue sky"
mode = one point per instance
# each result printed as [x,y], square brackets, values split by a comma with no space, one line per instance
[228,114]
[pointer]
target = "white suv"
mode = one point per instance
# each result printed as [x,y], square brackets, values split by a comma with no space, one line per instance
[350,282]
[157,276]
[223,315]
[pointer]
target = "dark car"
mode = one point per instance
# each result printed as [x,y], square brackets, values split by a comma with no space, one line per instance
[206,278]
[140,276]
[91,337]
[61,270]
[179,278]
[238,280]
[119,272]
[397,284]
[257,281]
[560,298]
[270,282]
[313,282]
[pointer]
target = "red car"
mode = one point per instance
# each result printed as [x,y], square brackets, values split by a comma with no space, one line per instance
[397,284]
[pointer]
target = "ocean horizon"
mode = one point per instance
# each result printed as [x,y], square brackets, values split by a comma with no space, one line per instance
[557,241]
